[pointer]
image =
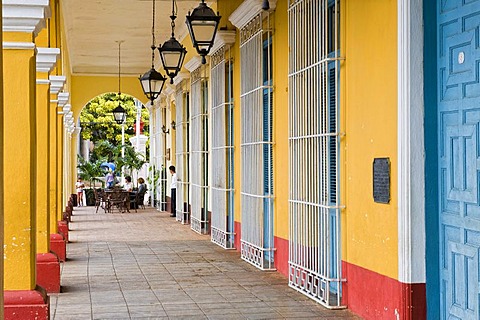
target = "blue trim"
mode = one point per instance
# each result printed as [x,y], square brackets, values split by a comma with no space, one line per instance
[431,161]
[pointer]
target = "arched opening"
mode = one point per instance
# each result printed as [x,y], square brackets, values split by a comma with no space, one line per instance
[104,145]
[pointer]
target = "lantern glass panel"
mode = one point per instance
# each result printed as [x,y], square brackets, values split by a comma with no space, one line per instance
[146,85]
[171,59]
[156,86]
[203,30]
[119,116]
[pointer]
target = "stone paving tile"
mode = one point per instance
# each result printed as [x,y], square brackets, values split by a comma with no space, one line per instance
[147,266]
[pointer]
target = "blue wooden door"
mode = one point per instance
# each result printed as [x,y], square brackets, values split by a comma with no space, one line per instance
[459,157]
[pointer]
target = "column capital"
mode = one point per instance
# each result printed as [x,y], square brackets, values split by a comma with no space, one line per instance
[63,98]
[56,84]
[25,15]
[46,59]
[66,110]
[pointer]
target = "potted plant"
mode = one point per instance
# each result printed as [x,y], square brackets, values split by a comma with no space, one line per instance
[89,171]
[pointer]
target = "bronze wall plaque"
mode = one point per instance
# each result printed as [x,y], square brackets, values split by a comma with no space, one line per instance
[381,180]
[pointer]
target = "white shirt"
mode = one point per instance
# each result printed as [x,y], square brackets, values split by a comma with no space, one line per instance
[174,181]
[79,185]
[128,186]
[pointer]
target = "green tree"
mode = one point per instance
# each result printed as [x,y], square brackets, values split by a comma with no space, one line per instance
[97,122]
[132,160]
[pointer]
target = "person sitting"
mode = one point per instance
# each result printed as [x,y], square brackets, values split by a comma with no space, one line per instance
[128,186]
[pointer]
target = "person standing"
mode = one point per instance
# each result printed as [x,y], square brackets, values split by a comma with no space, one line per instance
[79,186]
[173,193]
[109,179]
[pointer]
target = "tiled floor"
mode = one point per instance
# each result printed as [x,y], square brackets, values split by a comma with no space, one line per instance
[147,266]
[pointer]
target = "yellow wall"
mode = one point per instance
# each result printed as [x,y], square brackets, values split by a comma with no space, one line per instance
[370,98]
[42,175]
[53,27]
[2,180]
[85,88]
[60,163]
[280,117]
[19,150]
[52,120]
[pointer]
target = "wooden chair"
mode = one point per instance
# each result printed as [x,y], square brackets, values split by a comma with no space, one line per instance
[118,199]
[139,201]
[100,199]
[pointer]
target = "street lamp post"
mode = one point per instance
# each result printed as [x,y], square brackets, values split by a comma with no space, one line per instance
[119,114]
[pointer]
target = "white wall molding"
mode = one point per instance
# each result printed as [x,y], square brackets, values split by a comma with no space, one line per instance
[56,83]
[25,15]
[46,58]
[223,38]
[411,150]
[248,10]
[42,81]
[180,77]
[193,63]
[18,45]
[169,90]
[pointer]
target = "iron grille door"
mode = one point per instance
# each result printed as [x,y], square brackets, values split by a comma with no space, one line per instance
[222,150]
[314,206]
[199,153]
[182,153]
[257,246]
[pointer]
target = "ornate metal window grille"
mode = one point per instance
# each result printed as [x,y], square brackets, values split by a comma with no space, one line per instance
[314,139]
[257,245]
[163,170]
[199,153]
[159,191]
[183,154]
[222,150]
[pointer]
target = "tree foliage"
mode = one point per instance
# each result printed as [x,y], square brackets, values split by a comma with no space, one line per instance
[97,119]
[89,171]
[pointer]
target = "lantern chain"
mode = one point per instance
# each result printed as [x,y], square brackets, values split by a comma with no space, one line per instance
[173,16]
[153,34]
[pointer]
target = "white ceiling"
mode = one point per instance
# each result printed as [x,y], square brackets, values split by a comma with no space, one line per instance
[93,26]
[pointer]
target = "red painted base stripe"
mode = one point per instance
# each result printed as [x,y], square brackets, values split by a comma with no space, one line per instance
[281,255]
[58,246]
[48,272]
[25,305]
[63,229]
[375,296]
[238,235]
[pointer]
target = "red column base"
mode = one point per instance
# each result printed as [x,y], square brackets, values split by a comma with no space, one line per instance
[63,229]
[48,272]
[58,246]
[26,305]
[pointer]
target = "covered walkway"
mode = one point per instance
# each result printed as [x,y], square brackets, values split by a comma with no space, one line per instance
[145,266]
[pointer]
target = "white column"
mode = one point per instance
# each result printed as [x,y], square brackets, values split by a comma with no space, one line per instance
[411,151]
